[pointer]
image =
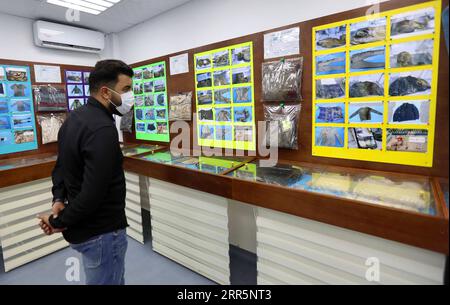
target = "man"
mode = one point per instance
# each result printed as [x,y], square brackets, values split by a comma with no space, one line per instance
[89,176]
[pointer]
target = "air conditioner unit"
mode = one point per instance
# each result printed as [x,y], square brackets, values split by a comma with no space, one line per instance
[58,36]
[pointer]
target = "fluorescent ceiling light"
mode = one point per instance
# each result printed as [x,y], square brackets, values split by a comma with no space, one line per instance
[94,7]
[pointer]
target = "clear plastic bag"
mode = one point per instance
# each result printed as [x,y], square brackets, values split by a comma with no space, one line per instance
[287,118]
[50,97]
[126,122]
[180,107]
[50,125]
[282,80]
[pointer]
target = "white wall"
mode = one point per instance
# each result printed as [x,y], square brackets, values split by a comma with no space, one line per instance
[17,43]
[202,22]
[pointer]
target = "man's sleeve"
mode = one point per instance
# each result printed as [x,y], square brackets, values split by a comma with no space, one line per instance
[98,164]
[58,189]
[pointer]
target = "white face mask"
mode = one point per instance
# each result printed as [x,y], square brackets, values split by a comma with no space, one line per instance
[127,102]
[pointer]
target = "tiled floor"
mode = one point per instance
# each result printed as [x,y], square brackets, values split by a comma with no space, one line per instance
[143,267]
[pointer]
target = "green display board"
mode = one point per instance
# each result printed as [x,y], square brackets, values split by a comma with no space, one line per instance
[225,97]
[151,107]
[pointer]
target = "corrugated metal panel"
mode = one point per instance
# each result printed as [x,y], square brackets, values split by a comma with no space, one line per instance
[191,228]
[296,250]
[133,206]
[179,257]
[53,246]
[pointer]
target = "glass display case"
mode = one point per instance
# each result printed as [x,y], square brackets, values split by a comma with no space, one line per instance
[134,150]
[213,165]
[24,162]
[410,194]
[165,157]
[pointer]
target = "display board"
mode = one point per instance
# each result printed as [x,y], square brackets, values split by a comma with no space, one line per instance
[151,110]
[17,121]
[78,91]
[224,81]
[375,86]
[186,82]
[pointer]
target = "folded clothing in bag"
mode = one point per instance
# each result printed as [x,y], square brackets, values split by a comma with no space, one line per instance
[286,119]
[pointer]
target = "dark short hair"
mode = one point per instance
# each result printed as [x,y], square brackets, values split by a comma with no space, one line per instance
[106,72]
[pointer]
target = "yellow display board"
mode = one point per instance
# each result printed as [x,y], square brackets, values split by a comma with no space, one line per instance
[375,85]
[225,97]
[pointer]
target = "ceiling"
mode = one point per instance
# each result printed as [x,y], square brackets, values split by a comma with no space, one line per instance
[121,16]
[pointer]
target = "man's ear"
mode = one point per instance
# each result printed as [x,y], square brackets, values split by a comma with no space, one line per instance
[105,93]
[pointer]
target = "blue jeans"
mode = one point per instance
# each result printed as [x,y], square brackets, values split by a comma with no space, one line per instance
[104,258]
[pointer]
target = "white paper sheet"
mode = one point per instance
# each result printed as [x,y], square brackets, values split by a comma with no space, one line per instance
[118,119]
[47,74]
[179,64]
[282,43]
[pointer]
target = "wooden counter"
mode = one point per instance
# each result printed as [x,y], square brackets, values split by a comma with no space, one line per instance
[416,229]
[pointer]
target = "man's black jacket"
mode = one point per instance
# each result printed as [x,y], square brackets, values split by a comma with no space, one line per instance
[89,175]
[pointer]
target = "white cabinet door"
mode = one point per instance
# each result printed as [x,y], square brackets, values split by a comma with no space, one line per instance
[21,238]
[191,228]
[294,250]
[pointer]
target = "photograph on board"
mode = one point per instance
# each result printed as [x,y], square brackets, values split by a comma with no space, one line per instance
[204,80]
[409,112]
[74,77]
[4,109]
[222,96]
[221,59]
[413,53]
[242,95]
[206,114]
[365,138]
[368,59]
[203,62]
[161,99]
[223,114]
[20,105]
[243,114]
[410,83]
[241,55]
[158,71]
[419,22]
[366,112]
[243,133]
[242,75]
[222,78]
[366,85]
[224,133]
[75,103]
[368,31]
[206,132]
[24,136]
[331,38]
[204,97]
[330,136]
[330,64]
[407,140]
[330,88]
[16,74]
[330,113]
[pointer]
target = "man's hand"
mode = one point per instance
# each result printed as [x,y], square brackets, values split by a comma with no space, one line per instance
[57,207]
[46,227]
